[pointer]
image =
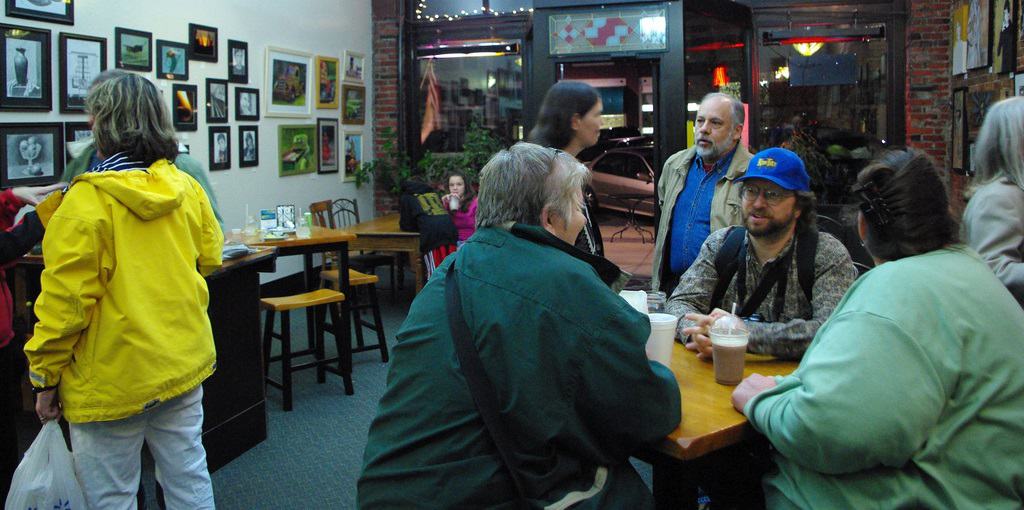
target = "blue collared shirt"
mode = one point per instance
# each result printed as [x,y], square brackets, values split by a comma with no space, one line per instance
[691,216]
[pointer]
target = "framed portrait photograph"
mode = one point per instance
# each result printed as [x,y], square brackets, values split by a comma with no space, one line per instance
[54,11]
[238,61]
[216,100]
[286,217]
[353,104]
[26,69]
[353,147]
[184,115]
[247,104]
[75,132]
[248,146]
[296,149]
[81,58]
[958,160]
[1004,36]
[32,154]
[133,49]
[327,142]
[202,42]
[220,147]
[327,82]
[288,83]
[171,60]
[354,66]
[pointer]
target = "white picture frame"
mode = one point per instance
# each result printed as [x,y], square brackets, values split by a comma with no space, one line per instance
[1018,84]
[353,67]
[288,82]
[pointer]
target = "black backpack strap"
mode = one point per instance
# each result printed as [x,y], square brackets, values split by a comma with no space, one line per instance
[726,262]
[806,251]
[480,387]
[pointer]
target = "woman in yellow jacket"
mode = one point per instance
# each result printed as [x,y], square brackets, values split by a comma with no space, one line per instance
[123,341]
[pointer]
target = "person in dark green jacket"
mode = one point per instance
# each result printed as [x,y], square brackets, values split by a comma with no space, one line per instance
[563,351]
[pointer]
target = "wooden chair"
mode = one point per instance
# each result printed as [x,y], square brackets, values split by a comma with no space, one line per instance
[345,212]
[319,300]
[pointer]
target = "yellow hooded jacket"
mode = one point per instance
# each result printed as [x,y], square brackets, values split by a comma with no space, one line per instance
[122,311]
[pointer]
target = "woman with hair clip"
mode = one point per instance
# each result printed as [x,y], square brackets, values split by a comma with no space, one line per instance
[912,394]
[570,120]
[994,219]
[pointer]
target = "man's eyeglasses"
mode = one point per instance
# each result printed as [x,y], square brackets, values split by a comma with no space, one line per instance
[773,197]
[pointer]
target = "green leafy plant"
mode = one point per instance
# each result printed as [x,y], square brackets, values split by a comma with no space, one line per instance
[391,168]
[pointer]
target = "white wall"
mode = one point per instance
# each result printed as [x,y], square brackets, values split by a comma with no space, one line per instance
[318,27]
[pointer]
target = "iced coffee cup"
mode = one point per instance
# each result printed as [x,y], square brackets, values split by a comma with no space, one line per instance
[453,202]
[663,335]
[729,337]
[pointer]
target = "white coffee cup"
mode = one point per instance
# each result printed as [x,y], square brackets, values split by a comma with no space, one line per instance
[663,336]
[453,202]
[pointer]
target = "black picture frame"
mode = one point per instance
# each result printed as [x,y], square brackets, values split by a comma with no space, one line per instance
[220,157]
[202,43]
[81,59]
[253,158]
[238,61]
[73,132]
[216,101]
[184,112]
[28,12]
[171,60]
[133,54]
[328,130]
[27,51]
[251,109]
[43,140]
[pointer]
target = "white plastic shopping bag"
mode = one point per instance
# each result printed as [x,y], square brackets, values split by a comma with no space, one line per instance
[45,478]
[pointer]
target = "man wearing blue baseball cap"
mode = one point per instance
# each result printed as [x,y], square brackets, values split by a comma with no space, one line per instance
[784,276]
[785,279]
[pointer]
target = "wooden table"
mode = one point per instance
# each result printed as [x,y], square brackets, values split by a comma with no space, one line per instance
[383,234]
[709,422]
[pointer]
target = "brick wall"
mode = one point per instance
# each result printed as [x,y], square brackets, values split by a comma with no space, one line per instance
[387,15]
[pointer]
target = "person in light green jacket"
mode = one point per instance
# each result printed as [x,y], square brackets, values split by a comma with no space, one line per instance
[912,394]
[563,351]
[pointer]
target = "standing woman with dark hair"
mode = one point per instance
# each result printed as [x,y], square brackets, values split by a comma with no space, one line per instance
[570,120]
[124,342]
[994,219]
[912,393]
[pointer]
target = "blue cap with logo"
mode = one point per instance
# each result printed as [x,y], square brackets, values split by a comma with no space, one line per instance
[781,166]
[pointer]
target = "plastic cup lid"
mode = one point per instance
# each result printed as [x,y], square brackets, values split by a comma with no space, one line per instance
[729,325]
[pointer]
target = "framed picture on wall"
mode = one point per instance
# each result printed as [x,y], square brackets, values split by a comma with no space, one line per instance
[238,62]
[248,146]
[353,104]
[25,72]
[1018,84]
[353,146]
[296,149]
[979,33]
[81,58]
[31,154]
[133,49]
[202,42]
[184,115]
[247,104]
[220,147]
[327,143]
[171,60]
[216,100]
[75,132]
[289,89]
[41,10]
[354,66]
[959,131]
[327,82]
[1004,36]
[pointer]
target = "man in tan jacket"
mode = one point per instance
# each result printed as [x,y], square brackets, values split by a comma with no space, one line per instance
[697,191]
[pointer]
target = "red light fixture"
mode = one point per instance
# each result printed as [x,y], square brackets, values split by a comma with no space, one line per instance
[719,77]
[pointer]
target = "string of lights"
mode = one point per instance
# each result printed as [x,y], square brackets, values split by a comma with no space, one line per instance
[484,10]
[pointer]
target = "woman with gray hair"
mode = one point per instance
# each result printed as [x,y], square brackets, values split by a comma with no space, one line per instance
[123,334]
[562,358]
[994,220]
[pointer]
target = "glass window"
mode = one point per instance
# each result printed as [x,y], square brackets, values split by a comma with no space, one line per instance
[616,164]
[715,61]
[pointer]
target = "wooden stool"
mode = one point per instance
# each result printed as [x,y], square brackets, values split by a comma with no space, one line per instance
[356,281]
[319,300]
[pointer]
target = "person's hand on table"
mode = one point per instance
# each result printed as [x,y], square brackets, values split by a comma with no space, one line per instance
[48,405]
[750,388]
[699,333]
[35,194]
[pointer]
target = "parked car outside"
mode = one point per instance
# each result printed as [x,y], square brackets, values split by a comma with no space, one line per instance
[621,176]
